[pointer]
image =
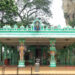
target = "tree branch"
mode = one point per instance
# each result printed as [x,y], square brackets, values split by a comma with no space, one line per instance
[31,10]
[20,16]
[24,7]
[32,13]
[2,16]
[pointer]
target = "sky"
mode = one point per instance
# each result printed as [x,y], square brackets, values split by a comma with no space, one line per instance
[57,13]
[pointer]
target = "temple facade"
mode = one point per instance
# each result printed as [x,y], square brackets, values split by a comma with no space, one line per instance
[22,46]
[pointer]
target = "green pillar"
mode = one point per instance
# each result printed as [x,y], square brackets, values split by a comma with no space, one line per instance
[21,51]
[12,57]
[0,53]
[52,52]
[70,57]
[42,54]
[4,53]
[15,55]
[9,54]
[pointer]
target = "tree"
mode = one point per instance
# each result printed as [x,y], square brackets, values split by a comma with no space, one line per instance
[27,12]
[32,8]
[72,23]
[7,10]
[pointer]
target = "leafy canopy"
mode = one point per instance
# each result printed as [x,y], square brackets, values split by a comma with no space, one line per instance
[72,23]
[27,12]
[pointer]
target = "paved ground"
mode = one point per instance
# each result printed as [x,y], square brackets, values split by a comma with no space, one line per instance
[44,70]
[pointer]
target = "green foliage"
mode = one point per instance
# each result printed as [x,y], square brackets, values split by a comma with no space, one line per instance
[43,5]
[8,9]
[8,6]
[34,6]
[66,15]
[72,23]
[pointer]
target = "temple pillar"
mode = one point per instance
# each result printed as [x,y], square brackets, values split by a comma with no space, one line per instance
[12,57]
[21,49]
[11,51]
[9,54]
[52,53]
[4,54]
[0,53]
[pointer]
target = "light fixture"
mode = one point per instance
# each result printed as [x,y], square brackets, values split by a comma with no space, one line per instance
[2,49]
[8,51]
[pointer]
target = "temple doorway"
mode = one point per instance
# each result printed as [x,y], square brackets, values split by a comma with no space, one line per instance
[26,58]
[38,52]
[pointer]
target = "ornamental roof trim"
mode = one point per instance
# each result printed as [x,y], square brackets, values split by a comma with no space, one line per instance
[31,27]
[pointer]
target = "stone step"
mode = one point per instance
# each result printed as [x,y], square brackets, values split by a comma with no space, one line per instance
[12,70]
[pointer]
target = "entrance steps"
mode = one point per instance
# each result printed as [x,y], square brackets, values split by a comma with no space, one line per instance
[44,70]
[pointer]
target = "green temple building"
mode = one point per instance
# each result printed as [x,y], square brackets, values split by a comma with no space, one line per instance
[21,46]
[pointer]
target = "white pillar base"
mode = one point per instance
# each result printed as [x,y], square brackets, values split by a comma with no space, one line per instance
[52,64]
[21,64]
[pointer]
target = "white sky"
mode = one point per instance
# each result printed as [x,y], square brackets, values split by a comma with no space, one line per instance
[58,15]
